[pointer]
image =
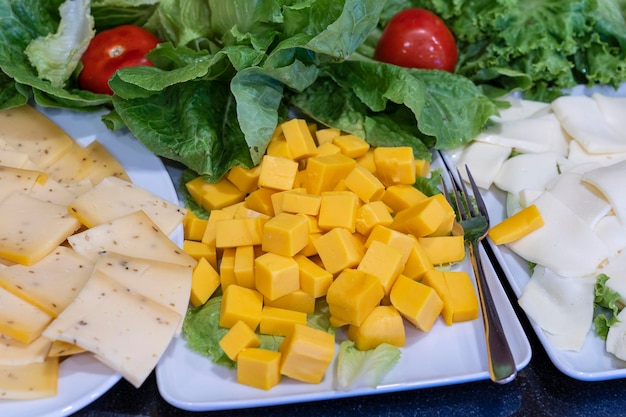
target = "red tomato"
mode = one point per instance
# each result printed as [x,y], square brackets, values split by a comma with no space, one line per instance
[120,47]
[417,38]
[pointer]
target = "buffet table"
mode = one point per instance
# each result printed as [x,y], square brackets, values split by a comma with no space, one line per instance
[540,389]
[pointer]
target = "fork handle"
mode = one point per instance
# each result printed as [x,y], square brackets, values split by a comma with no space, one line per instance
[500,360]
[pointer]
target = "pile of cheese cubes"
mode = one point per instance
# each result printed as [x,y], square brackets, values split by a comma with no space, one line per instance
[323,215]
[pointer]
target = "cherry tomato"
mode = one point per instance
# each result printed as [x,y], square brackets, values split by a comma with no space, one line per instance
[113,49]
[417,38]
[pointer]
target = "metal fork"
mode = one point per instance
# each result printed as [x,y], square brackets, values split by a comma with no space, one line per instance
[500,360]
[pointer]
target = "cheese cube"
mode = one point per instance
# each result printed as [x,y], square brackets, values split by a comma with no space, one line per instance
[444,249]
[285,234]
[383,262]
[364,184]
[326,135]
[351,145]
[258,368]
[279,147]
[324,172]
[277,172]
[383,325]
[339,249]
[367,161]
[328,148]
[306,354]
[194,227]
[261,200]
[230,233]
[517,226]
[353,295]
[416,302]
[338,209]
[372,214]
[214,195]
[449,216]
[314,280]
[245,179]
[240,303]
[301,202]
[227,268]
[243,267]
[402,196]
[299,139]
[395,165]
[422,168]
[417,263]
[238,338]
[204,282]
[279,321]
[393,238]
[208,236]
[297,301]
[420,220]
[276,275]
[457,292]
[197,249]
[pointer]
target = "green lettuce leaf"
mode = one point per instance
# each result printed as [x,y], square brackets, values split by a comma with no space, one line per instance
[606,306]
[358,368]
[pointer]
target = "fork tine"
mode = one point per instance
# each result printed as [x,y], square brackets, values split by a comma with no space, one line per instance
[482,208]
[467,203]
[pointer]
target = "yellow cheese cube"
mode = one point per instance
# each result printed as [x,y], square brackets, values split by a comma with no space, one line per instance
[214,195]
[417,303]
[204,282]
[395,165]
[517,226]
[285,234]
[280,321]
[310,249]
[420,220]
[314,280]
[238,338]
[243,267]
[338,249]
[338,209]
[383,262]
[402,196]
[245,179]
[209,232]
[230,233]
[372,214]
[299,202]
[261,200]
[234,208]
[306,354]
[328,148]
[277,172]
[259,368]
[240,303]
[353,295]
[324,172]
[351,145]
[299,139]
[276,275]
[383,325]
[367,161]
[393,238]
[227,268]
[297,301]
[193,227]
[277,198]
[242,211]
[449,216]
[279,147]
[444,249]
[326,135]
[313,224]
[457,292]
[417,263]
[364,184]
[196,249]
[422,168]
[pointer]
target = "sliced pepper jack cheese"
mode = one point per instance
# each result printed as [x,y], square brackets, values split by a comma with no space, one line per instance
[19,180]
[92,321]
[29,382]
[74,165]
[114,197]
[54,192]
[14,353]
[50,284]
[104,164]
[22,219]
[12,158]
[20,320]
[134,235]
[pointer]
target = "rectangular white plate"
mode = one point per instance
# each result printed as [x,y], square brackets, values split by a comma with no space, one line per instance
[444,356]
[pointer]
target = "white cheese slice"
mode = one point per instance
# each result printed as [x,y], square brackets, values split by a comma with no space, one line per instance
[114,197]
[580,198]
[614,269]
[562,307]
[474,156]
[579,160]
[528,171]
[74,165]
[12,158]
[29,382]
[30,228]
[20,320]
[133,235]
[19,180]
[50,284]
[581,117]
[52,192]
[14,353]
[104,164]
[616,337]
[565,244]
[614,111]
[521,109]
[124,329]
[61,349]
[609,181]
[612,233]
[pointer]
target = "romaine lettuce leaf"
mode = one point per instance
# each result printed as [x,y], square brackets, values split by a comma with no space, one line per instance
[363,368]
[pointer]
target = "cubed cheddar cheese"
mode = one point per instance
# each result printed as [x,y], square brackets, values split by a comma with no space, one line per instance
[297,301]
[239,337]
[353,295]
[314,280]
[276,275]
[339,249]
[417,263]
[245,179]
[194,227]
[285,234]
[240,303]
[328,148]
[395,165]
[306,354]
[198,249]
[393,238]
[449,216]
[351,145]
[383,325]
[230,233]
[242,211]
[338,209]
[326,135]
[261,200]
[299,139]
[259,368]
[214,195]
[444,249]
[279,147]
[516,226]
[204,281]
[372,214]
[457,293]
[280,321]
[277,172]
[364,184]
[422,167]
[227,268]
[301,202]
[367,161]
[324,172]
[417,303]
[420,220]
[402,196]
[383,262]
[243,267]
